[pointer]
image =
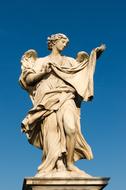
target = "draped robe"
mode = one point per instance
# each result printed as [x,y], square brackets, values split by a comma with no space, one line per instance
[63,88]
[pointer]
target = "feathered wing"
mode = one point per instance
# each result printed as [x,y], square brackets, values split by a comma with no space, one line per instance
[82,56]
[27,62]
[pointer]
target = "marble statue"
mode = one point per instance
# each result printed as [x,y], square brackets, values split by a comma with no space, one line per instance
[57,85]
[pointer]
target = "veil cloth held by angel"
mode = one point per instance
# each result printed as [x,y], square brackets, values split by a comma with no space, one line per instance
[56,96]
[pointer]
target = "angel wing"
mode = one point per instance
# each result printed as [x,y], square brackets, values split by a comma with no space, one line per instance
[82,56]
[28,59]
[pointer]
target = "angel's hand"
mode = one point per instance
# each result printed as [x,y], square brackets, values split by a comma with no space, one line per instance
[47,68]
[99,50]
[102,47]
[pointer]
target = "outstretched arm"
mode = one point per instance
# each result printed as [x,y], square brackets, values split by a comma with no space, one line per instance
[99,50]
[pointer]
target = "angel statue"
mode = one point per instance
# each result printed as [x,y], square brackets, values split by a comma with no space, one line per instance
[57,85]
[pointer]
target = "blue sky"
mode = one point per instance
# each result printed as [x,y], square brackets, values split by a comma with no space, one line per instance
[26,24]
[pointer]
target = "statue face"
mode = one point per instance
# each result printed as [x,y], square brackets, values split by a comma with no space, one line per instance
[60,44]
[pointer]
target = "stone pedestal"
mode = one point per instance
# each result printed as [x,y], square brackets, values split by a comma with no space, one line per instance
[61,183]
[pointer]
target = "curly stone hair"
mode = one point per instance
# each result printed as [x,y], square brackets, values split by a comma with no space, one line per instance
[51,40]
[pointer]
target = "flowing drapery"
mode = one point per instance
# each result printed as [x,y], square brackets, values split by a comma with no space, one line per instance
[52,96]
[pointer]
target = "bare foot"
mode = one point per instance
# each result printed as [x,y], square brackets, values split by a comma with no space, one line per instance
[73,168]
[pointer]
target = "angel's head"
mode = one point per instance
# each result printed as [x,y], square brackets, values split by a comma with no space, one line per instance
[58,40]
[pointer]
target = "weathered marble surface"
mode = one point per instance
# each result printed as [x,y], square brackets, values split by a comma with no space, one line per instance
[68,183]
[57,85]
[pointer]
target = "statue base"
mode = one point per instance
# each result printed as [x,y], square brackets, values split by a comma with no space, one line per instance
[65,183]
